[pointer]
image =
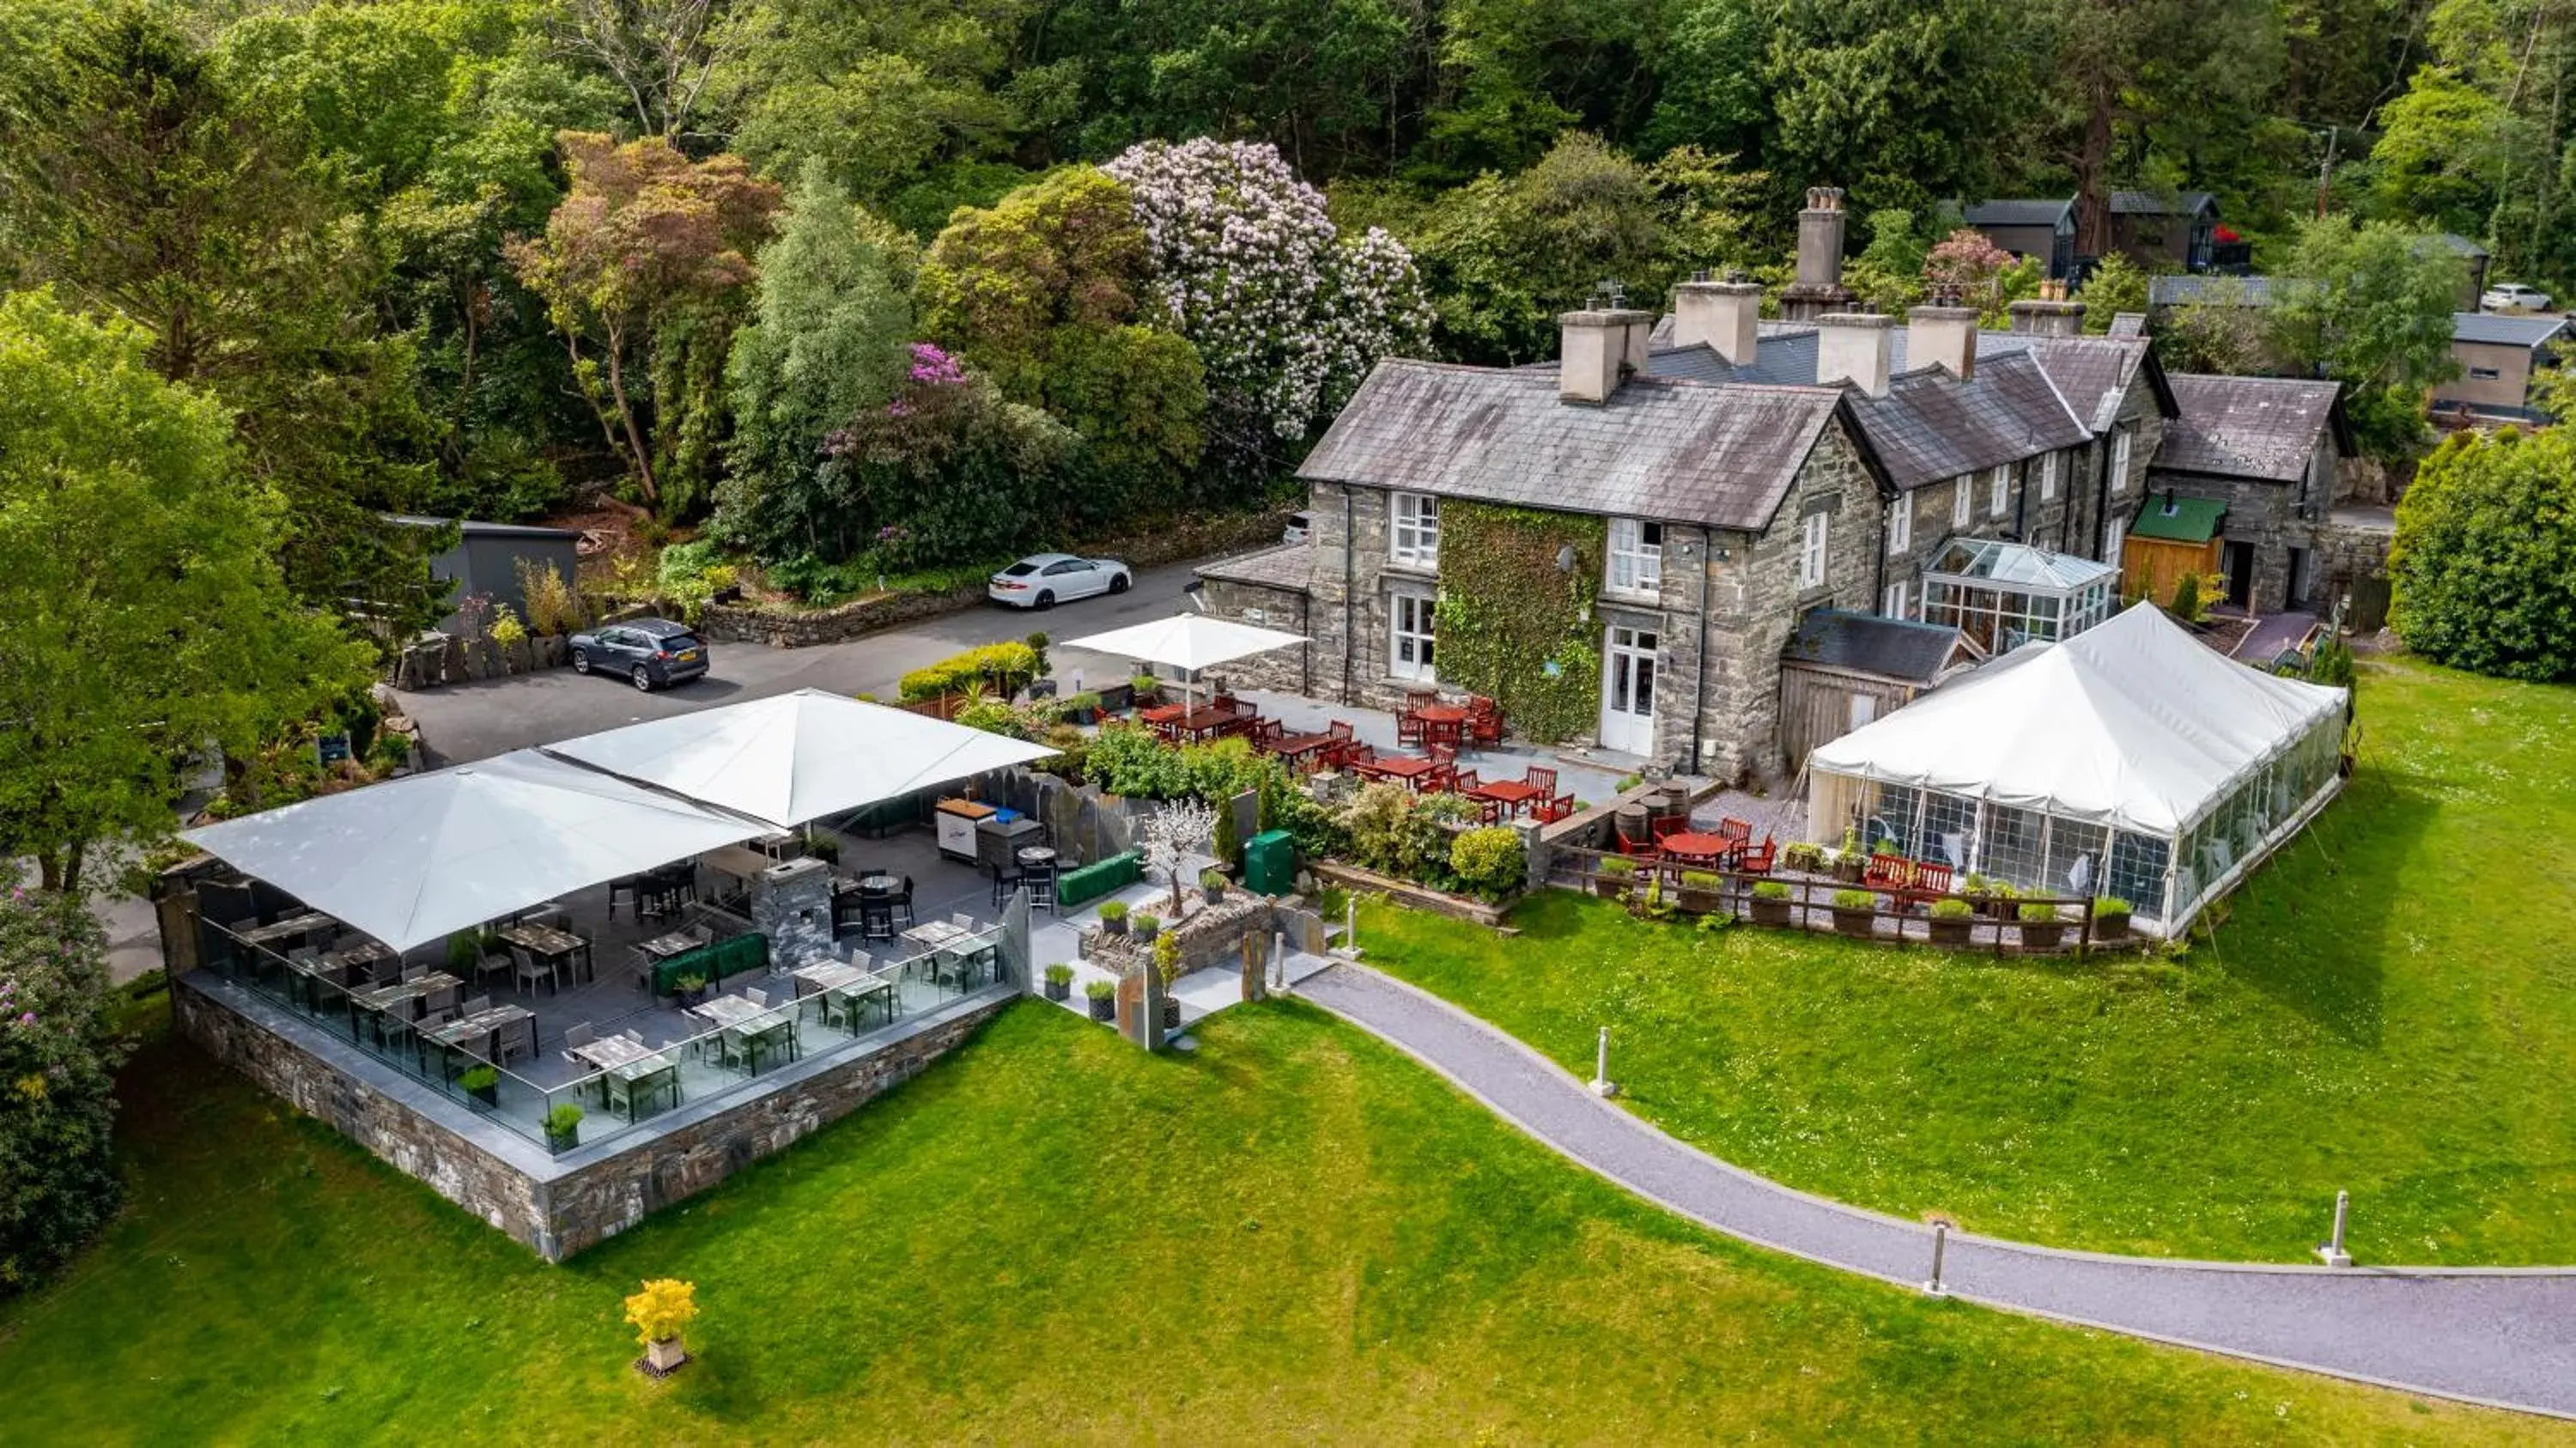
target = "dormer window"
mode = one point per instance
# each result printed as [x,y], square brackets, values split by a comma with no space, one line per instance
[1636,555]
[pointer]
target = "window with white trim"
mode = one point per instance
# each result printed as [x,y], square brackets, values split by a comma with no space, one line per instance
[1892,603]
[1409,634]
[2114,534]
[1963,505]
[2048,477]
[1999,483]
[1636,555]
[1900,525]
[1811,549]
[2119,462]
[1415,538]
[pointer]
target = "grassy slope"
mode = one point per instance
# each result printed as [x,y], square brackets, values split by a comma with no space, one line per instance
[1295,1234]
[2390,1008]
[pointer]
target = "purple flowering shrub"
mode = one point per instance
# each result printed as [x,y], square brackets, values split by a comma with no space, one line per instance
[58,1056]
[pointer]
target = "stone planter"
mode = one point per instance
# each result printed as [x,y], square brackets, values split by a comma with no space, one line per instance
[1104,1009]
[1117,926]
[2042,934]
[1855,922]
[1215,893]
[1696,902]
[486,1097]
[1951,934]
[1772,912]
[1144,935]
[664,1356]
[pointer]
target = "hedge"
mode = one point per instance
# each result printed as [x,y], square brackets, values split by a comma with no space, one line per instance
[1080,887]
[713,961]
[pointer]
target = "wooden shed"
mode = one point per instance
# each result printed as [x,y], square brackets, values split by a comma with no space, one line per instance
[2172,537]
[1842,670]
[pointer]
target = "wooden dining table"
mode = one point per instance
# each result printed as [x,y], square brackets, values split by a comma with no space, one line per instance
[1205,722]
[1404,769]
[560,949]
[1441,723]
[1299,748]
[1698,849]
[293,927]
[487,1024]
[632,1063]
[1512,794]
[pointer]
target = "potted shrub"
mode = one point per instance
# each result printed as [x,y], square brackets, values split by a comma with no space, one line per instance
[824,847]
[1059,982]
[483,1084]
[2110,919]
[658,1313]
[1144,689]
[1212,884]
[1167,964]
[1144,925]
[1855,912]
[1114,698]
[1802,856]
[1080,709]
[691,989]
[563,1128]
[1113,917]
[1103,996]
[1850,866]
[1612,882]
[1952,921]
[1699,891]
[2041,927]
[1771,902]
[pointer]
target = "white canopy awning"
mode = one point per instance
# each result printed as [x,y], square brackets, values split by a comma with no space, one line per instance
[798,757]
[1187,641]
[2133,723]
[412,859]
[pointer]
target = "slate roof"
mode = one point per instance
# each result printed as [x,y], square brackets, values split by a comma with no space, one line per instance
[2169,519]
[2090,373]
[1282,565]
[2173,291]
[2021,211]
[2158,203]
[1915,653]
[2505,331]
[1723,456]
[1931,426]
[2249,427]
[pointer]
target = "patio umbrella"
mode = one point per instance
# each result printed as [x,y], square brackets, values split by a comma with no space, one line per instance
[798,757]
[1189,641]
[410,860]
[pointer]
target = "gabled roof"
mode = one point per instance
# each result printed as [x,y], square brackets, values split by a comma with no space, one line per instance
[1284,565]
[2090,373]
[2504,330]
[2169,519]
[1913,653]
[1931,426]
[2021,211]
[2017,565]
[2163,203]
[1723,456]
[2250,427]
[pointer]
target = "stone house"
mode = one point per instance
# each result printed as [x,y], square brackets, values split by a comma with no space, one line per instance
[2271,449]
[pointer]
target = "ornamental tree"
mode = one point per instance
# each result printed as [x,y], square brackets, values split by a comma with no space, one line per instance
[1287,314]
[58,1057]
[2370,306]
[2484,564]
[1172,835]
[1966,264]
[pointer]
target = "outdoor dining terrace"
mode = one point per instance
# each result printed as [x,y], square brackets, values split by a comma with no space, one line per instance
[626,1000]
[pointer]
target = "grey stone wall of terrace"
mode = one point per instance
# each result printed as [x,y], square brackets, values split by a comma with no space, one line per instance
[559,1205]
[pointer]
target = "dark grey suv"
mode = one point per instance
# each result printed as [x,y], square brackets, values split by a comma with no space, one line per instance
[646,652]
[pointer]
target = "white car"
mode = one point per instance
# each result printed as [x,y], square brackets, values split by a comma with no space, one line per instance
[2513,297]
[1043,580]
[1301,527]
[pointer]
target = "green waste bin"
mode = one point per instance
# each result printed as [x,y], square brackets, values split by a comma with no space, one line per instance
[1270,863]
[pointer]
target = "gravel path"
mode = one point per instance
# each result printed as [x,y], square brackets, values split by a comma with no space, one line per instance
[2504,1337]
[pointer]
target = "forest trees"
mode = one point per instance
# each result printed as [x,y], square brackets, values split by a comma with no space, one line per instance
[638,268]
[2370,306]
[58,1054]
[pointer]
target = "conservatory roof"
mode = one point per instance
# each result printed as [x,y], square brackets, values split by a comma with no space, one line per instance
[2017,565]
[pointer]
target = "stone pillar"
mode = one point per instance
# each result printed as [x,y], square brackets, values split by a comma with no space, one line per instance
[1533,852]
[1140,1005]
[791,903]
[1017,967]
[1256,966]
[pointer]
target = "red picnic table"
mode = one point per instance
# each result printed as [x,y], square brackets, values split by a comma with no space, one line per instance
[1512,794]
[1698,849]
[1296,747]
[1442,723]
[1405,769]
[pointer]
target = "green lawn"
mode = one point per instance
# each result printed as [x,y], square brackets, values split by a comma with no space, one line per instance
[2389,1007]
[1295,1234]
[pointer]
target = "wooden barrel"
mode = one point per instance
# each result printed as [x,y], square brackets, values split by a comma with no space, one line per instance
[1632,821]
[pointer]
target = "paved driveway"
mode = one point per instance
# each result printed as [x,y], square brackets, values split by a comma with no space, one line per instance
[475,721]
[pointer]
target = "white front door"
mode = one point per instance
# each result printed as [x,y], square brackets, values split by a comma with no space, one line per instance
[1628,691]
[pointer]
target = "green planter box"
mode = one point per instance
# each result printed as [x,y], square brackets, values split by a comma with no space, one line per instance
[1081,887]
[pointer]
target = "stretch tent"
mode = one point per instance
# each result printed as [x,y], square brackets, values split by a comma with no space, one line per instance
[2129,760]
[798,757]
[410,860]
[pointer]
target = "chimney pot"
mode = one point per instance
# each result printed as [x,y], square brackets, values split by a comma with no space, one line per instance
[1600,348]
[1942,333]
[1725,315]
[1855,347]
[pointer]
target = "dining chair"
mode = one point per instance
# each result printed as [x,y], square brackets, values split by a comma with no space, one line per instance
[903,902]
[1464,781]
[757,996]
[441,999]
[1442,753]
[414,972]
[962,920]
[1408,727]
[527,970]
[634,1035]
[1004,884]
[478,1005]
[578,1034]
[1540,778]
[1041,887]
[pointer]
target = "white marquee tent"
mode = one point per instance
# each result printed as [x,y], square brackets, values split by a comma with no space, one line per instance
[794,758]
[412,859]
[2129,760]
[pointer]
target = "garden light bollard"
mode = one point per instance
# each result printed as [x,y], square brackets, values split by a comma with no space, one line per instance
[2331,1250]
[1934,1286]
[1351,925]
[1601,1066]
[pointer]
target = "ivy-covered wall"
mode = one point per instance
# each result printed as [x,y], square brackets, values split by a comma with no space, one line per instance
[1512,624]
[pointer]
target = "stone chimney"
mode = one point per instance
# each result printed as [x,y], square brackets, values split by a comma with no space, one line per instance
[1855,347]
[1943,332]
[1726,315]
[2050,314]
[1603,346]
[1819,288]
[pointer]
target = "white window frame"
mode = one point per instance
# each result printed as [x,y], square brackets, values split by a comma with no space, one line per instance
[2048,477]
[1999,489]
[1963,501]
[1413,529]
[1425,663]
[2115,532]
[1900,525]
[1896,600]
[1636,563]
[2119,461]
[1815,537]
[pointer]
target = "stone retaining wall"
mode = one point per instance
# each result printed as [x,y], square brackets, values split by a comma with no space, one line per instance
[553,1206]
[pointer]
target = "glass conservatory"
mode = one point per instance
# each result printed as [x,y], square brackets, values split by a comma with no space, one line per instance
[2005,595]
